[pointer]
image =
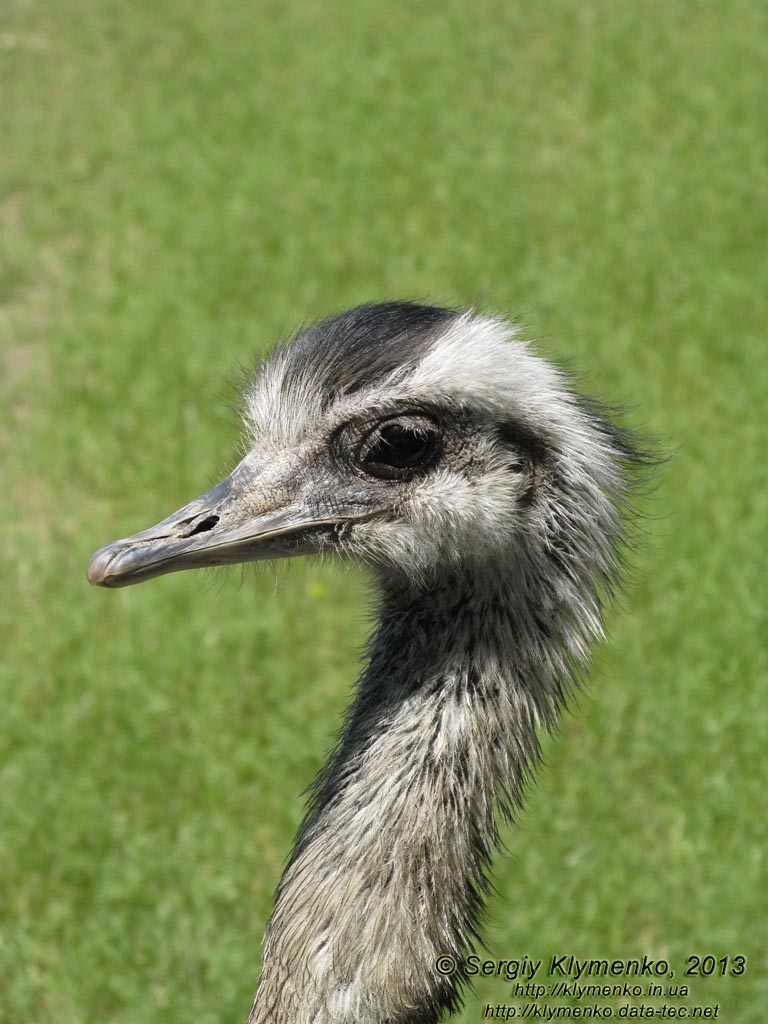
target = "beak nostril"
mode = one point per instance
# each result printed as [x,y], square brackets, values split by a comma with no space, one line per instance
[204,525]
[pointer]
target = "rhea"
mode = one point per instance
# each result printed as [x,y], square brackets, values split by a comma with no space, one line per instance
[490,499]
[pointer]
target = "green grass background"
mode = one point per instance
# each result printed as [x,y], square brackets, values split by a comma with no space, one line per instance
[181,184]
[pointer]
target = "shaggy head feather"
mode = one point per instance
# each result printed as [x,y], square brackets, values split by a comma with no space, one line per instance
[524,463]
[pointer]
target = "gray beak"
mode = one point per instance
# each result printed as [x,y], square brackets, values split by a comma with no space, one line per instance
[231,523]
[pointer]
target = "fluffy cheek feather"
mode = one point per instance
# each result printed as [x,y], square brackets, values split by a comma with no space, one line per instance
[448,520]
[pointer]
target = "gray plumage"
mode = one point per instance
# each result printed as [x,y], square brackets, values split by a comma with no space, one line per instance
[489,499]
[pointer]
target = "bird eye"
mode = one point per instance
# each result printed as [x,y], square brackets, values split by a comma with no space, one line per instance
[397,450]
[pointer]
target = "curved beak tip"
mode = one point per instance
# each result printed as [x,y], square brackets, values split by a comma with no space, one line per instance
[96,572]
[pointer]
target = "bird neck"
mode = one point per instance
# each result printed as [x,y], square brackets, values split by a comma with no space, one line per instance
[388,871]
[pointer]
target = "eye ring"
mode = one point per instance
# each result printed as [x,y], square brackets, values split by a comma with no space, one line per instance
[399,448]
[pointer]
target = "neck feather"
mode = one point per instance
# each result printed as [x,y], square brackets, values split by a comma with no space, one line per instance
[389,869]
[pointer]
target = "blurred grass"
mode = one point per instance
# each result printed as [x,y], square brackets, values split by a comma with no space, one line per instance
[182,183]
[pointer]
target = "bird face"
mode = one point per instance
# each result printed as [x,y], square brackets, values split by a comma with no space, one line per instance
[408,437]
[405,490]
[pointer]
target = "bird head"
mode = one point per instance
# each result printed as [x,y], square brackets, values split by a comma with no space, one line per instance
[414,438]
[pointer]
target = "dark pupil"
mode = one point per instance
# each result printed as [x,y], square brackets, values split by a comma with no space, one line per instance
[399,448]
